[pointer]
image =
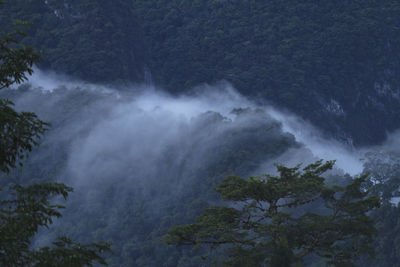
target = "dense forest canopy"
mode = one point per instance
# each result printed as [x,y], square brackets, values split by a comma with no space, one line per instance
[143,159]
[336,60]
[93,40]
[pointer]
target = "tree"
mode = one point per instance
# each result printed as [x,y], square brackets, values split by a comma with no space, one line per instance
[23,213]
[272,220]
[24,209]
[19,132]
[383,168]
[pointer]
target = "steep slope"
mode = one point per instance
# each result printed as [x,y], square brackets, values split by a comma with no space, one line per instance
[96,41]
[334,63]
[142,163]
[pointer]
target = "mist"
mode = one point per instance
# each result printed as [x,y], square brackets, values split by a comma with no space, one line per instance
[135,155]
[141,102]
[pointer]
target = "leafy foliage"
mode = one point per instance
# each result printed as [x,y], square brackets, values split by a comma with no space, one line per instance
[263,224]
[383,169]
[302,55]
[68,253]
[24,209]
[16,60]
[134,213]
[19,132]
[20,219]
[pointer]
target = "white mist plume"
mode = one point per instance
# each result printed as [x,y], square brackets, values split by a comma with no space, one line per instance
[123,149]
[347,158]
[48,81]
[221,98]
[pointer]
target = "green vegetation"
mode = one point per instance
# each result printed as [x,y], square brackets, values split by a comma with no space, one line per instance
[19,131]
[134,214]
[383,169]
[97,41]
[133,207]
[266,223]
[20,218]
[23,209]
[302,55]
[334,63]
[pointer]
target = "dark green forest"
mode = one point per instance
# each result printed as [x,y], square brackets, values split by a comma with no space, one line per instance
[334,63]
[149,128]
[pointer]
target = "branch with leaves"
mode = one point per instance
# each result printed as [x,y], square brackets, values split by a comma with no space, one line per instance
[23,209]
[20,218]
[268,220]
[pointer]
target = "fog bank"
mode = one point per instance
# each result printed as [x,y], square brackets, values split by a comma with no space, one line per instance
[141,160]
[154,105]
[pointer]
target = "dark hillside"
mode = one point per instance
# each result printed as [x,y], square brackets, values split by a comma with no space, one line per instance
[333,63]
[97,41]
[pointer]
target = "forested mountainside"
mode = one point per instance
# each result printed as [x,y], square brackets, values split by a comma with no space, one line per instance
[97,41]
[137,169]
[334,63]
[142,160]
[141,163]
